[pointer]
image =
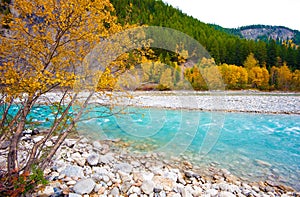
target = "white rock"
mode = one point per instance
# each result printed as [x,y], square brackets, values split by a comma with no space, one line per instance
[105,178]
[226,194]
[74,195]
[147,186]
[73,171]
[115,191]
[48,191]
[106,159]
[78,158]
[147,176]
[186,193]
[133,195]
[49,144]
[71,182]
[93,159]
[37,139]
[175,195]
[211,192]
[135,190]
[124,167]
[70,142]
[170,175]
[84,186]
[97,145]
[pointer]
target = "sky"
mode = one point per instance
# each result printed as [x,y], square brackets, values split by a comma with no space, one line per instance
[237,13]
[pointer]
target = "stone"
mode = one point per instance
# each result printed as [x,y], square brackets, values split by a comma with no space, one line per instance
[97,187]
[125,187]
[166,183]
[106,159]
[162,194]
[173,194]
[30,132]
[97,145]
[73,171]
[78,158]
[74,195]
[93,159]
[188,174]
[256,188]
[226,194]
[70,142]
[263,163]
[115,191]
[84,186]
[147,186]
[37,139]
[48,191]
[135,164]
[186,193]
[269,189]
[197,191]
[124,167]
[101,190]
[133,195]
[48,143]
[135,190]
[171,175]
[5,145]
[105,178]
[124,176]
[187,164]
[57,192]
[157,189]
[211,192]
[71,182]
[228,187]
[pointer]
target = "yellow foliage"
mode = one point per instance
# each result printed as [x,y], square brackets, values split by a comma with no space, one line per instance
[47,40]
[166,79]
[250,62]
[296,80]
[235,77]
[284,77]
[259,77]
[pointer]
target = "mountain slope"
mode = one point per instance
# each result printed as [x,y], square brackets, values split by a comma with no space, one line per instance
[263,32]
[266,32]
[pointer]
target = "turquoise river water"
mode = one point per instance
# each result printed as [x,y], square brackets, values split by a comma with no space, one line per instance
[249,145]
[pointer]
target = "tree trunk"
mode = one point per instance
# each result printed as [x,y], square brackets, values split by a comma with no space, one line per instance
[12,158]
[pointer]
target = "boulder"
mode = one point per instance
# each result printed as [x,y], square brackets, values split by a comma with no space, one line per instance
[124,167]
[84,186]
[147,186]
[93,159]
[73,171]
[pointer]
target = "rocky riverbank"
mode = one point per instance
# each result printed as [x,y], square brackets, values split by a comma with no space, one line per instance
[83,167]
[225,101]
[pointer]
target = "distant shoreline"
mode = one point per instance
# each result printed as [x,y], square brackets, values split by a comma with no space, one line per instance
[219,101]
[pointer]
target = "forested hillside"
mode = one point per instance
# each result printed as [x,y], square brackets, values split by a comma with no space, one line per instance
[225,46]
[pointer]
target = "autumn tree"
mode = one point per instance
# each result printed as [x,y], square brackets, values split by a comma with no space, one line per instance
[45,44]
[296,80]
[194,76]
[235,77]
[274,77]
[284,77]
[166,80]
[250,62]
[259,77]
